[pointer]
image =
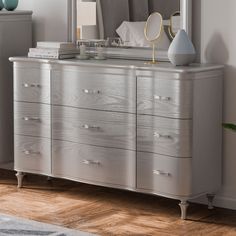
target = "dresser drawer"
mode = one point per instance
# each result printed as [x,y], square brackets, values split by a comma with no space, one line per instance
[32,119]
[164,136]
[100,128]
[164,97]
[94,164]
[32,85]
[94,91]
[164,175]
[32,154]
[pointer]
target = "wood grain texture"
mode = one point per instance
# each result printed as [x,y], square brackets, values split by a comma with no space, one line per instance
[94,90]
[167,175]
[32,154]
[32,84]
[95,164]
[32,119]
[107,129]
[108,212]
[178,92]
[160,135]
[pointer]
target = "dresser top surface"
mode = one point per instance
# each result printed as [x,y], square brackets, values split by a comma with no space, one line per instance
[123,64]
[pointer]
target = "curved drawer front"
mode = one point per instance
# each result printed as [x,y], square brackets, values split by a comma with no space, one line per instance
[94,91]
[164,97]
[32,85]
[32,154]
[94,164]
[166,136]
[162,174]
[107,129]
[32,119]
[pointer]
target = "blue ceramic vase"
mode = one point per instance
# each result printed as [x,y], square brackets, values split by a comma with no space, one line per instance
[10,5]
[1,5]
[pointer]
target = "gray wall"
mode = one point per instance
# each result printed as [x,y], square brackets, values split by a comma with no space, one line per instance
[49,19]
[213,36]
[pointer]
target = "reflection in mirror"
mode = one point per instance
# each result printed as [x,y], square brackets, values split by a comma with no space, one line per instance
[86,16]
[174,26]
[124,21]
[153,27]
[153,31]
[121,24]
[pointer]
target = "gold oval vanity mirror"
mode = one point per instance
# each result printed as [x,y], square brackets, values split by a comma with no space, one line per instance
[174,26]
[153,31]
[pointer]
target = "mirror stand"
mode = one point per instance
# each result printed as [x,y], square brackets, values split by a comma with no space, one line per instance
[153,61]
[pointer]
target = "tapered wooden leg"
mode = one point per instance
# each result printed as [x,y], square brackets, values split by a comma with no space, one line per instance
[183,206]
[20,176]
[210,198]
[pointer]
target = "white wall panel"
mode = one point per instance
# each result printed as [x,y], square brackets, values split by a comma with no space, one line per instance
[214,36]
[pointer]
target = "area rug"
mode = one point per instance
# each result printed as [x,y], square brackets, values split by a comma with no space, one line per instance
[16,226]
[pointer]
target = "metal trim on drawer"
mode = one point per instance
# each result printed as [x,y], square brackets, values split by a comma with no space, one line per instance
[109,165]
[159,173]
[107,92]
[26,85]
[91,91]
[26,118]
[91,162]
[32,154]
[164,97]
[92,127]
[166,136]
[32,119]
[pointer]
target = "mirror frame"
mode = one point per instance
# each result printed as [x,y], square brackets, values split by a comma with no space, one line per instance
[157,36]
[170,31]
[132,53]
[153,41]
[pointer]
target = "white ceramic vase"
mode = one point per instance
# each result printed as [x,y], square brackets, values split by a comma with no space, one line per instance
[181,51]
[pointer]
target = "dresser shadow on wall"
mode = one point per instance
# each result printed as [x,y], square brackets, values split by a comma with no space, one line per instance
[216,50]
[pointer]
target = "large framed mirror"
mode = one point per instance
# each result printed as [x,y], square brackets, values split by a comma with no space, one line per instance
[123,21]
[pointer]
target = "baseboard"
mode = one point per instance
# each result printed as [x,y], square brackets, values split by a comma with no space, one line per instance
[7,166]
[219,201]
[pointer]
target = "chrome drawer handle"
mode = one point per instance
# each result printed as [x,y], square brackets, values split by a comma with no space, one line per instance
[26,118]
[91,162]
[90,91]
[25,85]
[162,98]
[90,127]
[160,172]
[158,135]
[30,152]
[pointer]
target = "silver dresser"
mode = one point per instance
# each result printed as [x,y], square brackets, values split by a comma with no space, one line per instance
[15,39]
[122,124]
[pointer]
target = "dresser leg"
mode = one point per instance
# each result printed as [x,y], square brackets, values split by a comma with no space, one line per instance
[49,178]
[210,198]
[183,206]
[20,176]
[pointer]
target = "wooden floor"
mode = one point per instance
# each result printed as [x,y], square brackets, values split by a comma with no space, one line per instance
[107,211]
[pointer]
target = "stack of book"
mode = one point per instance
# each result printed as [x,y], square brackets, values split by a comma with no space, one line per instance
[53,50]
